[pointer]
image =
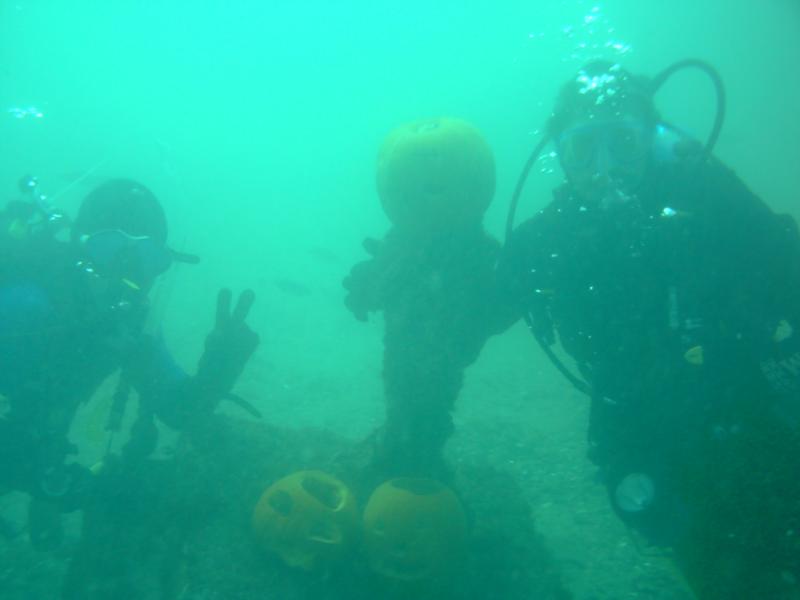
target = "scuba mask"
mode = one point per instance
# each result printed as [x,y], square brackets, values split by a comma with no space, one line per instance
[620,143]
[601,85]
[606,159]
[116,254]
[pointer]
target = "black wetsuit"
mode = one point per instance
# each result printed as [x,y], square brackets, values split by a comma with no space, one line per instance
[682,312]
[63,331]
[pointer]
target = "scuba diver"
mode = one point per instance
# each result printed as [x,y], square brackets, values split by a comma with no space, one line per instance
[72,312]
[676,292]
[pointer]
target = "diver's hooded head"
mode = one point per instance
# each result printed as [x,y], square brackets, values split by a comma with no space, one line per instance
[602,89]
[602,124]
[121,230]
[125,205]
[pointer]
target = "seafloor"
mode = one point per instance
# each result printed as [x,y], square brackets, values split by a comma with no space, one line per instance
[178,528]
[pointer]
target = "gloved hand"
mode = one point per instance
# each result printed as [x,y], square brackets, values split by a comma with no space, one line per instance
[228,348]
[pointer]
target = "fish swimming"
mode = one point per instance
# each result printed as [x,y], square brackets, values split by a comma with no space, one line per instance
[291,287]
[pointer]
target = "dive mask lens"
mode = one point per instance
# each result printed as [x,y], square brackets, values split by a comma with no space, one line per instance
[577,148]
[627,143]
[118,254]
[624,143]
[153,258]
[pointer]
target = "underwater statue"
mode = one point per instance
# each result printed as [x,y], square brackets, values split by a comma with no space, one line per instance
[428,277]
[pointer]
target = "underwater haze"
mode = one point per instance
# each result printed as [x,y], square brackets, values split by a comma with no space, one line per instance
[257,124]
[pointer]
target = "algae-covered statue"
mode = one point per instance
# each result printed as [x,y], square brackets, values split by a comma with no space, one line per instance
[428,277]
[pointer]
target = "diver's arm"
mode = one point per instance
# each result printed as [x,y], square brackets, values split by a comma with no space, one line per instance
[154,373]
[179,399]
[760,254]
[520,282]
[757,248]
[160,383]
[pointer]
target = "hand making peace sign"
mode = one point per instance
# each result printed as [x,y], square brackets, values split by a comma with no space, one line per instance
[229,345]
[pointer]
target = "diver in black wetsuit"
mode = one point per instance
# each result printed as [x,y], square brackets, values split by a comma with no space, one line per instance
[72,313]
[676,291]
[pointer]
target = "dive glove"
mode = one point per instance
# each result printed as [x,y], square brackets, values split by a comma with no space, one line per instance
[228,348]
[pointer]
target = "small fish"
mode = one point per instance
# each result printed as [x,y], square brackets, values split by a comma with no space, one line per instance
[291,287]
